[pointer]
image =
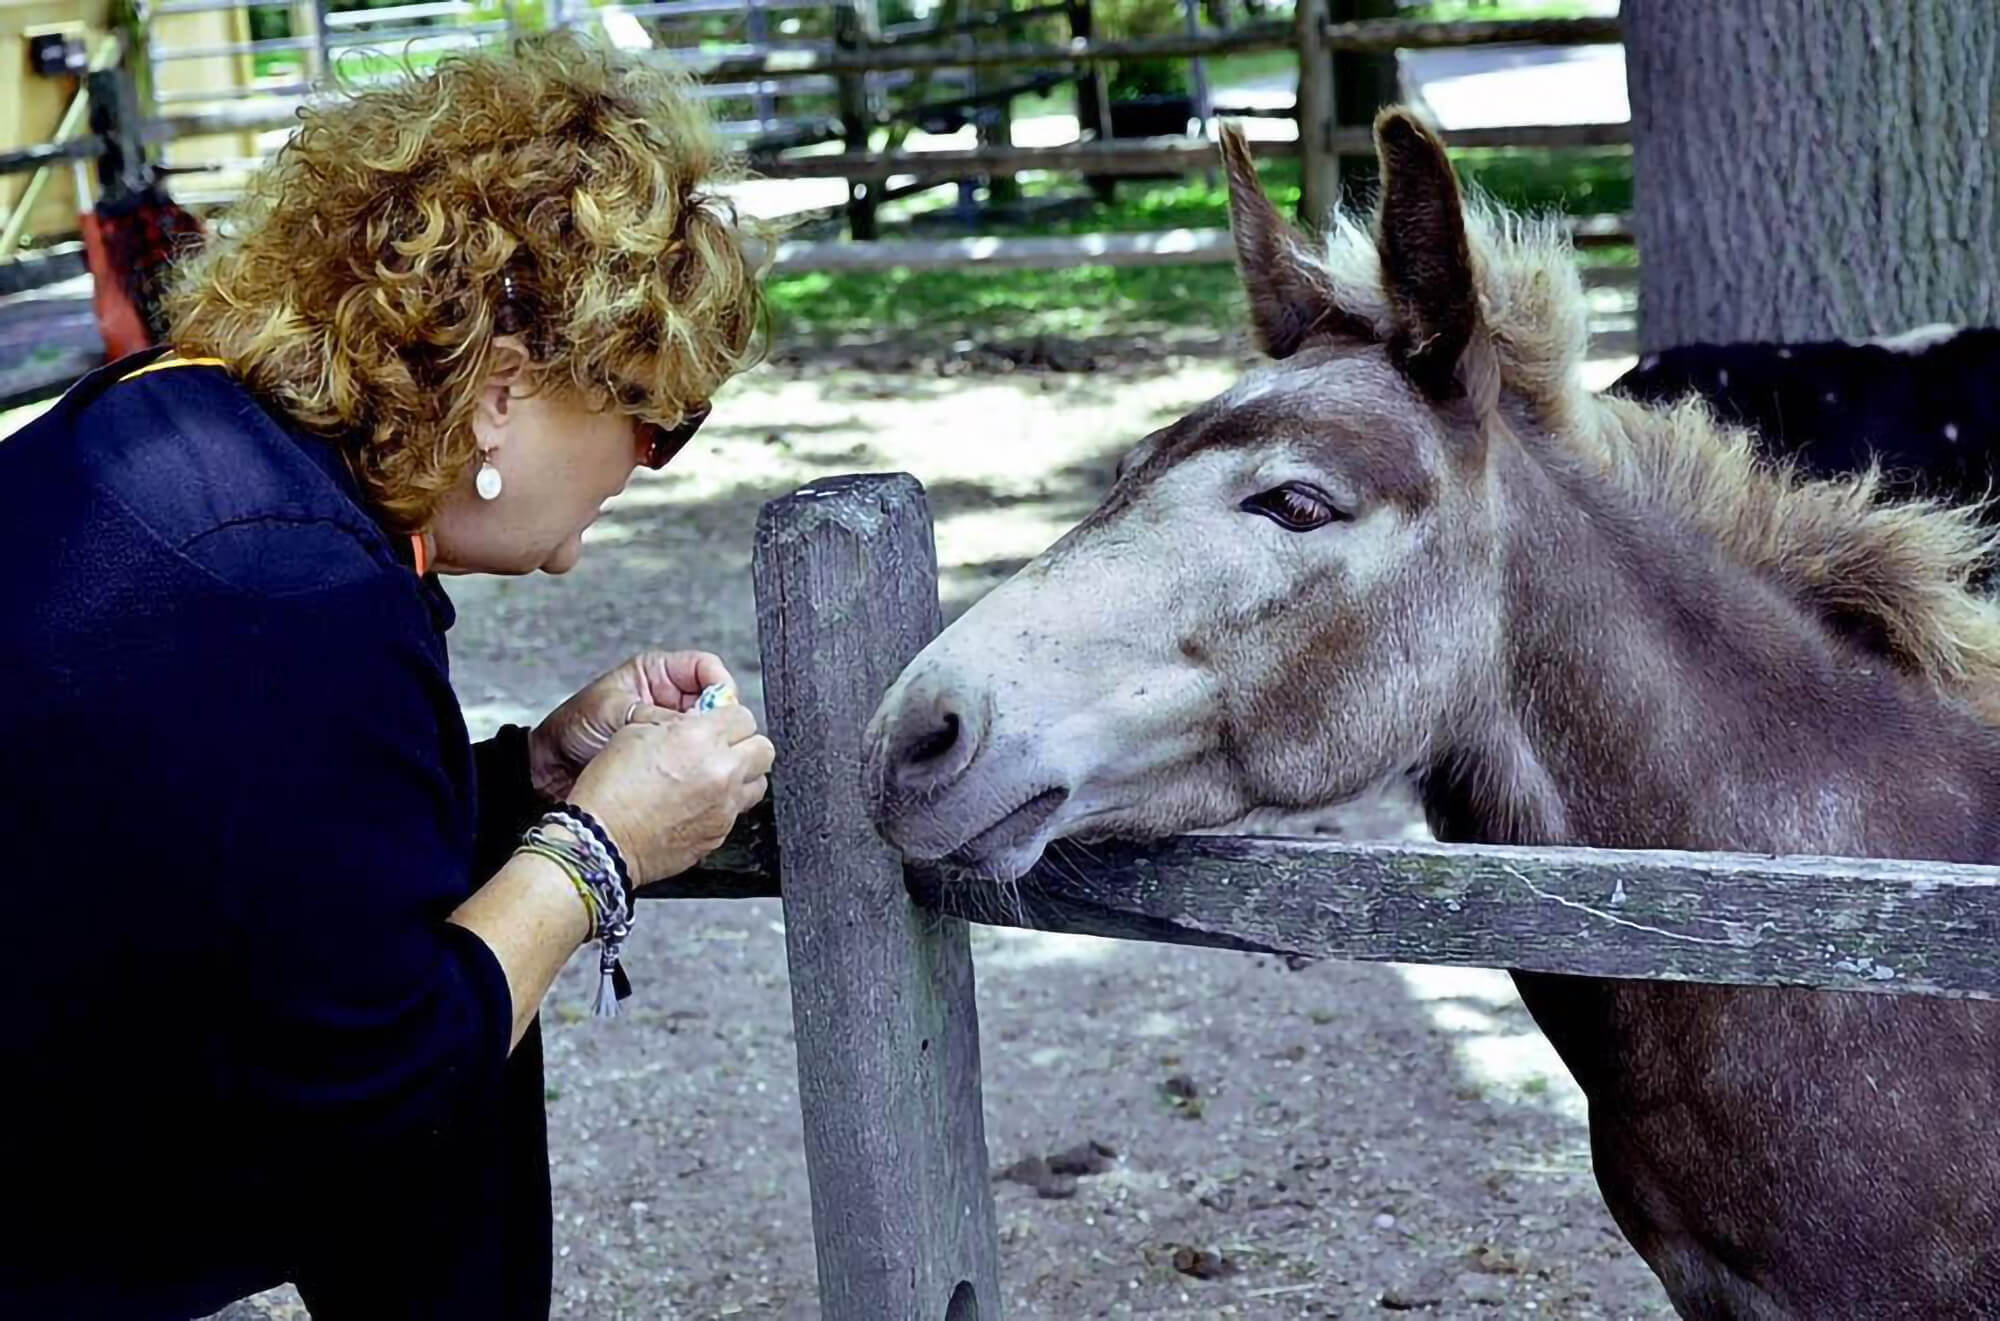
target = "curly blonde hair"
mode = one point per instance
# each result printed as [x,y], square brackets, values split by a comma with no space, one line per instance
[555,189]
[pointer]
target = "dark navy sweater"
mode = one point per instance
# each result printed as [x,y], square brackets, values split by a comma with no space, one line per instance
[237,802]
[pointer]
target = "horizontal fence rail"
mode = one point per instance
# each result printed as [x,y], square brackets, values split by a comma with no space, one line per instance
[1118,156]
[1372,35]
[1248,39]
[36,270]
[22,160]
[1171,247]
[1389,34]
[1150,155]
[1833,924]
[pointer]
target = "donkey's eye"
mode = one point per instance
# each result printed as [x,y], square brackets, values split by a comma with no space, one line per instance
[1295,507]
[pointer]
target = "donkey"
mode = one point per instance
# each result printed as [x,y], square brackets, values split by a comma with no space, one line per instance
[1413,544]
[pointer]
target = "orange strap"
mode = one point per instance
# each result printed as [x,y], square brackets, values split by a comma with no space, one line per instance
[419,551]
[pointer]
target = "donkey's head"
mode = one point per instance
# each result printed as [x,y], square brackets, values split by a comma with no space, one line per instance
[1287,594]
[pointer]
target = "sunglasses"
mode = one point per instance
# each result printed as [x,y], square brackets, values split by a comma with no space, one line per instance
[662,443]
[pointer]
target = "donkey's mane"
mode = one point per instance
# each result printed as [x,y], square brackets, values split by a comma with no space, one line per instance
[1894,576]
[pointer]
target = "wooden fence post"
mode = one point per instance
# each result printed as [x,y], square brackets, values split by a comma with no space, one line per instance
[1204,102]
[763,105]
[882,994]
[854,30]
[1363,82]
[1319,168]
[1093,102]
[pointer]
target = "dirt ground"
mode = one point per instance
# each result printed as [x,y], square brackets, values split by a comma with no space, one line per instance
[1333,1141]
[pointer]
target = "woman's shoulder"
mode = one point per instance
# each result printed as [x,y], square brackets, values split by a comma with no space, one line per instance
[182,450]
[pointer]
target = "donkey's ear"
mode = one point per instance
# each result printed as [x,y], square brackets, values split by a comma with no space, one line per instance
[1426,263]
[1290,300]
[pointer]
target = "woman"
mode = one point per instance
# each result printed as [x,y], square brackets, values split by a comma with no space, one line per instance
[278,936]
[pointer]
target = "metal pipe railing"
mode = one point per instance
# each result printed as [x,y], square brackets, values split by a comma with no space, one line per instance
[230,48]
[73,118]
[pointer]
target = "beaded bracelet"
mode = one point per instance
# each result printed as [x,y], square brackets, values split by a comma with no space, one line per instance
[596,870]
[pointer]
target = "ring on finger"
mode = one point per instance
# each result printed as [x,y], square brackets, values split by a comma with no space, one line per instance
[632,710]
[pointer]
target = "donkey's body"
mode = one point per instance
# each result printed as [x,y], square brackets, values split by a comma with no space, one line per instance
[1771,1154]
[1414,545]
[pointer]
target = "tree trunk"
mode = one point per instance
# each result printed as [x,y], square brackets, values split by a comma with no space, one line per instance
[1813,170]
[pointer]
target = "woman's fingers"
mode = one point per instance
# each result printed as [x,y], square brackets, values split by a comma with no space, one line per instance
[676,678]
[709,671]
[758,754]
[732,724]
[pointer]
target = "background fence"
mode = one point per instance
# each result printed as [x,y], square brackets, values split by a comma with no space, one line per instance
[810,94]
[788,80]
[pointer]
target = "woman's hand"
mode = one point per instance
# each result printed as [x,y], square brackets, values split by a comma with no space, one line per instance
[670,785]
[575,732]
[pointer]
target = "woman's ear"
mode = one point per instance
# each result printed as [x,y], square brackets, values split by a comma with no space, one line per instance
[506,372]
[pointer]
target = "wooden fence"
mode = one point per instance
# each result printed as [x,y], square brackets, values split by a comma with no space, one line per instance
[881,974]
[861,52]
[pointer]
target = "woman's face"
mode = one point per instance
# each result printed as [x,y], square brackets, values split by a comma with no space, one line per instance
[558,461]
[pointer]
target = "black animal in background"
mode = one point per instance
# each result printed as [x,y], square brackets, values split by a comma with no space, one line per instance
[1924,404]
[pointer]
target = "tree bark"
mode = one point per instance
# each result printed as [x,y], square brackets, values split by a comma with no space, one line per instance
[1813,170]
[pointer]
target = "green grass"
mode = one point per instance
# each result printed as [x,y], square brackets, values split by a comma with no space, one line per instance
[1583,181]
[271,63]
[1085,301]
[1079,301]
[1224,69]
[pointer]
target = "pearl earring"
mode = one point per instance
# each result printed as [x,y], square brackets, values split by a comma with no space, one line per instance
[487,482]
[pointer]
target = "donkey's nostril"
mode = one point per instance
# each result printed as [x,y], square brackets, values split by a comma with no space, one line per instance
[929,739]
[931,746]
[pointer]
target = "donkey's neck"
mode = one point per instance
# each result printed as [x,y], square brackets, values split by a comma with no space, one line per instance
[1653,693]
